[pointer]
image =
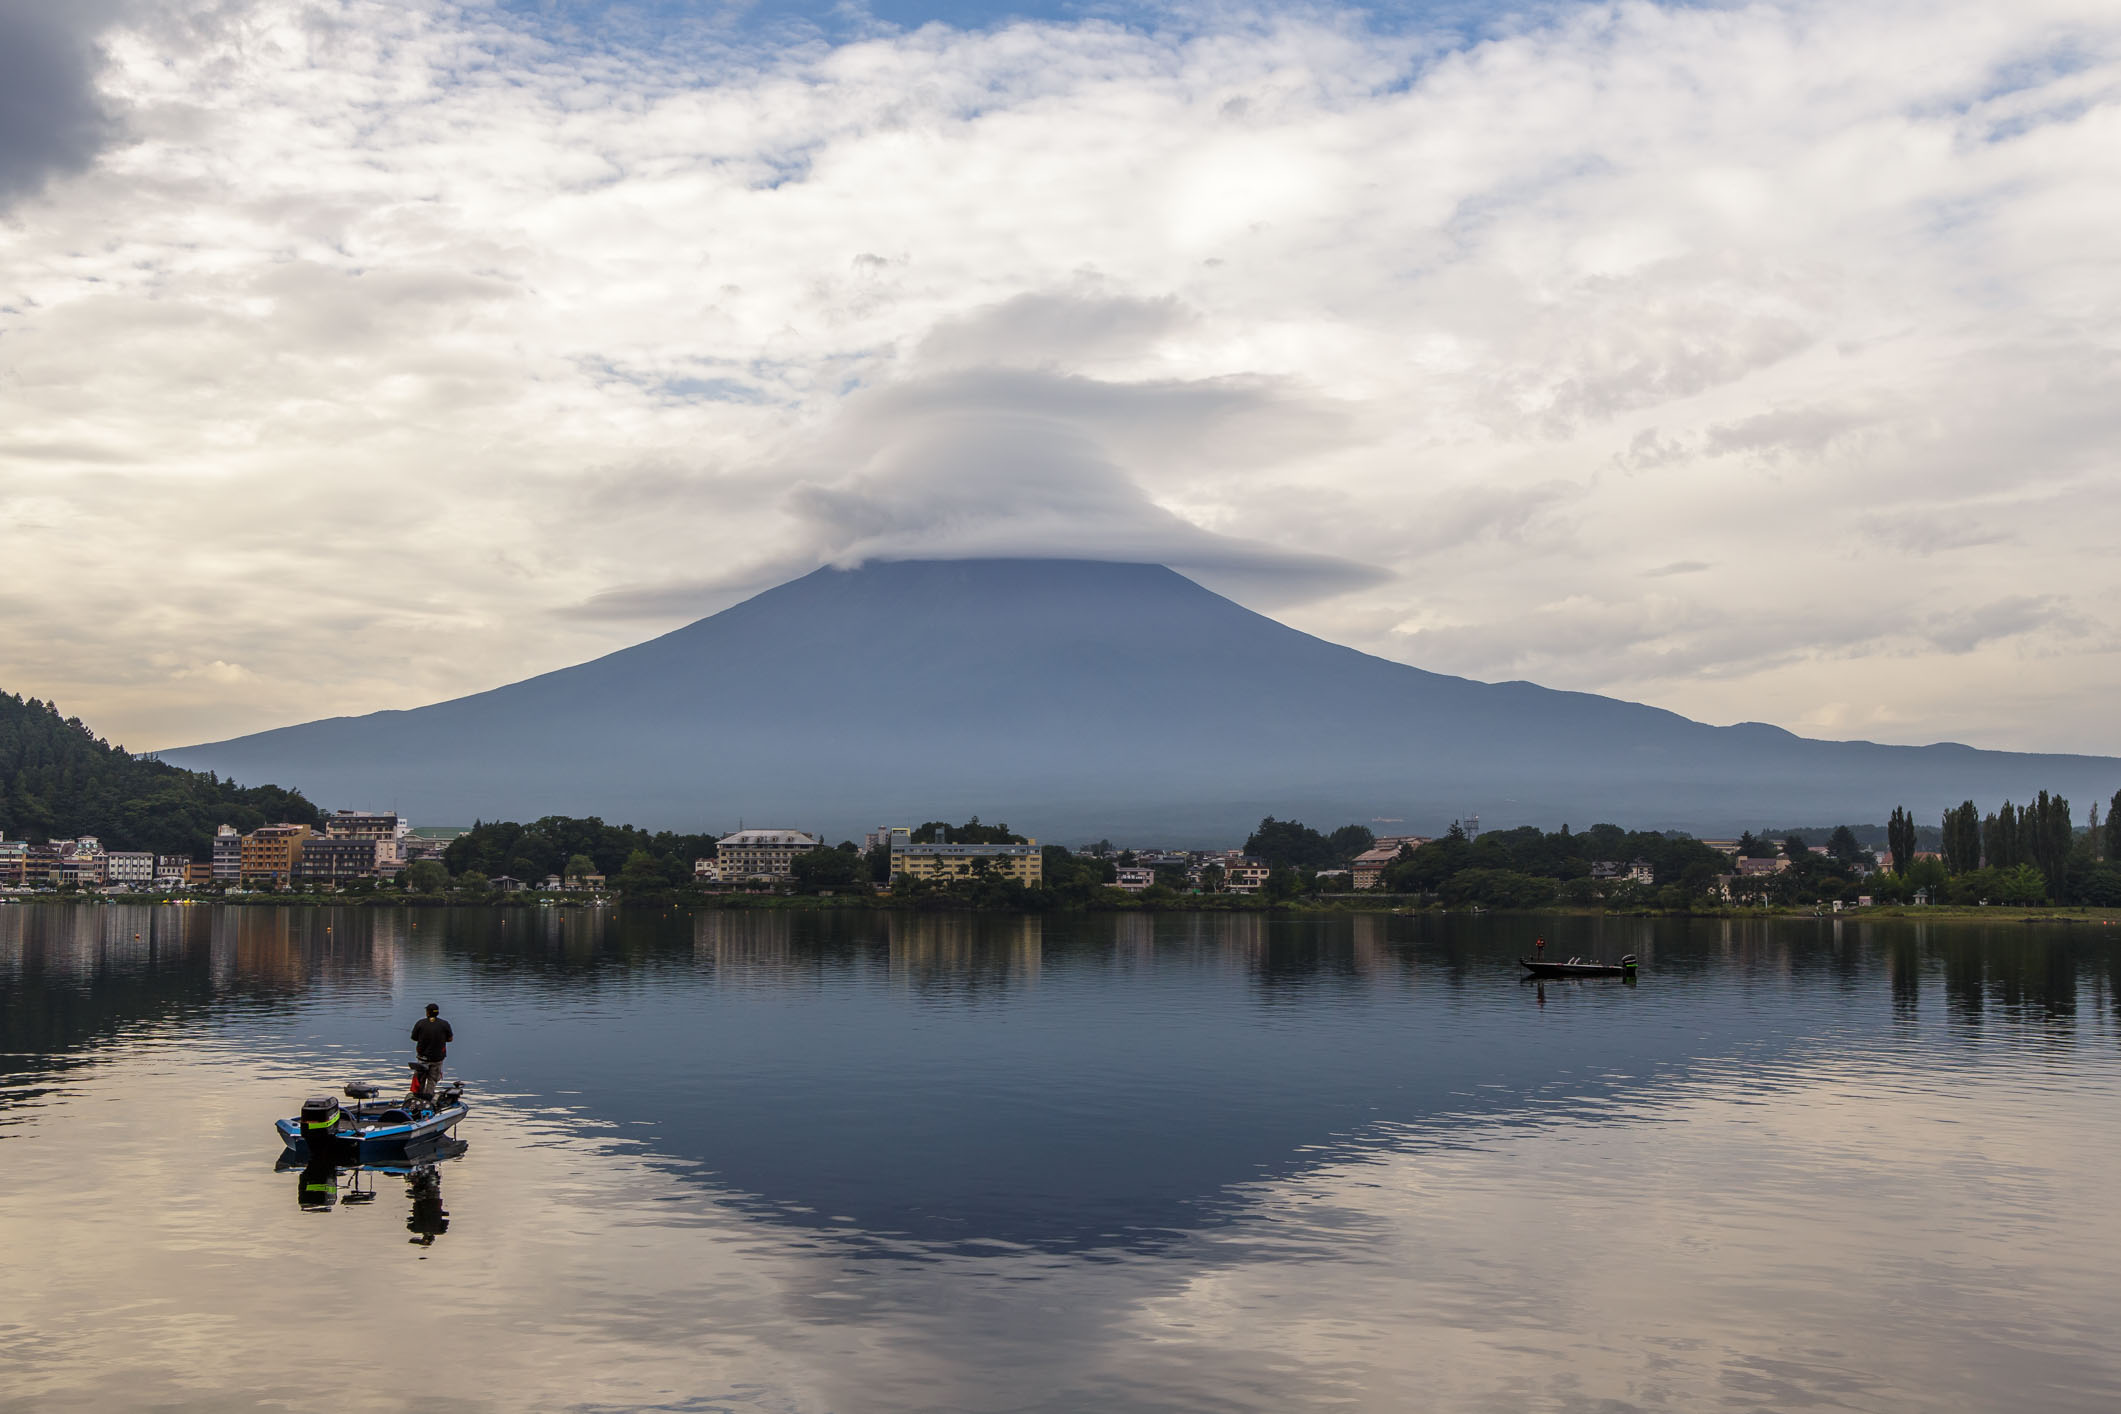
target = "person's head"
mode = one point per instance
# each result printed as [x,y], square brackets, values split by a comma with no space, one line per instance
[433,1009]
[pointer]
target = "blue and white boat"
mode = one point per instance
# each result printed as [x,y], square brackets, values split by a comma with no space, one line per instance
[371,1129]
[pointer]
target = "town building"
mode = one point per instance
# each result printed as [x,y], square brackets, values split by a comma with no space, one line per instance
[41,862]
[1612,871]
[1369,867]
[759,854]
[271,852]
[14,863]
[1244,875]
[945,862]
[1749,868]
[172,871]
[129,869]
[338,859]
[228,855]
[199,873]
[704,871]
[1134,877]
[382,828]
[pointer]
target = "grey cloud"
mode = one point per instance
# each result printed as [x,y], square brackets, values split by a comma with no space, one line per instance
[1038,464]
[51,119]
[1920,532]
[1806,431]
[1965,630]
[1018,464]
[1677,567]
[1049,330]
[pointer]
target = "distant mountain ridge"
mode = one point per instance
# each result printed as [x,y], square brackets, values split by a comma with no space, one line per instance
[1079,699]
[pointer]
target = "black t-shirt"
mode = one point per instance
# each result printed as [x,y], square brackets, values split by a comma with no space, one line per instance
[433,1035]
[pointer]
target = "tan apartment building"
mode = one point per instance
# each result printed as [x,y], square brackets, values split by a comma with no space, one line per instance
[271,852]
[941,863]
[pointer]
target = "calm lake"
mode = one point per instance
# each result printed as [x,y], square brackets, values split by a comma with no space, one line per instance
[842,1162]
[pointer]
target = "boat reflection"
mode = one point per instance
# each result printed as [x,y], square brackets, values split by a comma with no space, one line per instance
[321,1186]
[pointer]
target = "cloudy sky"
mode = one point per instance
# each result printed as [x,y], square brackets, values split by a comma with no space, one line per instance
[1761,361]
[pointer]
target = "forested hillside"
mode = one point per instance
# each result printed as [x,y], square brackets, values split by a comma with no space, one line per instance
[59,780]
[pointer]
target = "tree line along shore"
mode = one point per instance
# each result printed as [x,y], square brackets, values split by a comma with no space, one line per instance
[58,778]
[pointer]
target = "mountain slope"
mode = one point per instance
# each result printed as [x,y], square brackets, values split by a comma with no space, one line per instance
[1076,697]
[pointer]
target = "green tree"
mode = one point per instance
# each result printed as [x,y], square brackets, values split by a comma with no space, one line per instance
[2048,833]
[1795,850]
[1962,838]
[641,874]
[1900,839]
[2113,829]
[823,868]
[473,882]
[579,867]
[424,876]
[2000,839]
[1843,848]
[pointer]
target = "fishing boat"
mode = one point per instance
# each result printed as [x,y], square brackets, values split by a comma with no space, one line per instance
[1578,967]
[372,1129]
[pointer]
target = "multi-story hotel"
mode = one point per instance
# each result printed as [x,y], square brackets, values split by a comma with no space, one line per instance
[333,859]
[759,854]
[271,852]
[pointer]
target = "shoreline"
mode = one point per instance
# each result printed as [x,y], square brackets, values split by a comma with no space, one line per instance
[1317,906]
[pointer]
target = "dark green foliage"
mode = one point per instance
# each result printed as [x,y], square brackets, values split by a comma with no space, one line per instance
[1752,846]
[1843,847]
[58,780]
[2113,830]
[971,832]
[1294,845]
[2000,847]
[1900,839]
[1796,850]
[821,868]
[424,876]
[1677,860]
[549,846]
[1073,878]
[2046,834]
[1962,839]
[1498,888]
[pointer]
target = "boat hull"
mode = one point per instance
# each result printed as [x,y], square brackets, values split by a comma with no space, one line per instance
[1576,969]
[382,1139]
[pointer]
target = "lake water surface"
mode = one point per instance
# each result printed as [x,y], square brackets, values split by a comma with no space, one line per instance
[850,1162]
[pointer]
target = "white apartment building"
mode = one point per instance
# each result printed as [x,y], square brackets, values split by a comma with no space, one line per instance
[129,869]
[759,854]
[228,855]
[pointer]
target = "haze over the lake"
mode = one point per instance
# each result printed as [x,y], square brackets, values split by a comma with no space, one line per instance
[1756,361]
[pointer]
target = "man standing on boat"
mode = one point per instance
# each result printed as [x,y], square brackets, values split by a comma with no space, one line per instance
[431,1037]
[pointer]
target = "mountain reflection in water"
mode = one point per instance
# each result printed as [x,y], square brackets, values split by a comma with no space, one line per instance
[834,1160]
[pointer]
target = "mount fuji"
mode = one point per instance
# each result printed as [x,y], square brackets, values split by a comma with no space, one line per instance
[1078,699]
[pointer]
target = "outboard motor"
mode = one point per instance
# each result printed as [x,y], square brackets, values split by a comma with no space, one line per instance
[320,1124]
[1627,967]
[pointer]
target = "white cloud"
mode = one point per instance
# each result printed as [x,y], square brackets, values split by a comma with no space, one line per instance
[397,334]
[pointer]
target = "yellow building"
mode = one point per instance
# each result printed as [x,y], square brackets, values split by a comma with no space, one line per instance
[270,852]
[942,863]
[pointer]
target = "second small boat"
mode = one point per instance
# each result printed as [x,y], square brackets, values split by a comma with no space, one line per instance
[1577,967]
